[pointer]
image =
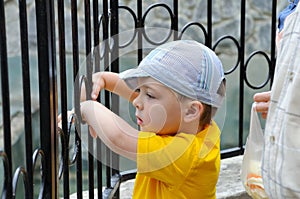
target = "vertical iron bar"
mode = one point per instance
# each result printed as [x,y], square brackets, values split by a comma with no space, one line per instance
[106,14]
[5,101]
[47,92]
[106,68]
[106,93]
[76,95]
[99,169]
[64,98]
[115,107]
[273,43]
[26,93]
[96,26]
[53,97]
[209,24]
[97,69]
[175,19]
[114,31]
[106,35]
[89,71]
[242,75]
[140,30]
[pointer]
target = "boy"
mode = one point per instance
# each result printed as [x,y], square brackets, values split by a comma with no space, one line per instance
[176,90]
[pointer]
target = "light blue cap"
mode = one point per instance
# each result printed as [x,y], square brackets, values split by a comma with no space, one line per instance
[185,66]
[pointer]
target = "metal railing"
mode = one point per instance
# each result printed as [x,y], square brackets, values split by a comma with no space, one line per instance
[102,47]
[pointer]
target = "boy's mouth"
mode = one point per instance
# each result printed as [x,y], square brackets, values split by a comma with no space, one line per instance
[139,120]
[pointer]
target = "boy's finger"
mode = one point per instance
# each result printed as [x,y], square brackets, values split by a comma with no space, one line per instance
[59,123]
[95,91]
[97,85]
[59,118]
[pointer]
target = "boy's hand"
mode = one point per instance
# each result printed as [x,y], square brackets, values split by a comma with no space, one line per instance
[98,84]
[59,123]
[59,119]
[262,103]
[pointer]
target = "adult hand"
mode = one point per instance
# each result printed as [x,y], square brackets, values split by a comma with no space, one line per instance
[262,103]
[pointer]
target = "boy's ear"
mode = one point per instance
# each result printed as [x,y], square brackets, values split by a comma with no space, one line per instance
[194,110]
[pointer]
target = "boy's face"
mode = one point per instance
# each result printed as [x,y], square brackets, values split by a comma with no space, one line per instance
[158,108]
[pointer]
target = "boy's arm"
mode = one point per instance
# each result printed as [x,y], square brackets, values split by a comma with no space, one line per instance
[110,81]
[117,134]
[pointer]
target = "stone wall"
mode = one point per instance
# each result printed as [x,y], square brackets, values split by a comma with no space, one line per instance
[226,20]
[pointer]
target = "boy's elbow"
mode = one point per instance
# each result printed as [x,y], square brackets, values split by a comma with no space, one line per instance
[85,108]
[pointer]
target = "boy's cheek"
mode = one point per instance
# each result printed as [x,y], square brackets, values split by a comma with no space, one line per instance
[158,116]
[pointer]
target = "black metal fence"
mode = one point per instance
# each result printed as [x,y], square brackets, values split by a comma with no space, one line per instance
[102,47]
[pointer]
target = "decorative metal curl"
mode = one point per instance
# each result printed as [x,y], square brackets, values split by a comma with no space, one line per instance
[18,172]
[7,178]
[97,49]
[63,152]
[269,66]
[238,49]
[172,22]
[36,154]
[75,119]
[194,24]
[135,26]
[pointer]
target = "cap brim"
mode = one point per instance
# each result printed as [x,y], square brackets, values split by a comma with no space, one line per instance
[130,76]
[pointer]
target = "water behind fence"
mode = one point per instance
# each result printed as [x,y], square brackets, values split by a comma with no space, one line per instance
[41,160]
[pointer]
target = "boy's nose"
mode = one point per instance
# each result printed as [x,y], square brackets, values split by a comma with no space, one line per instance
[137,102]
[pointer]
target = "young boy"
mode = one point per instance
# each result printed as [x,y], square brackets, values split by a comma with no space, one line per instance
[176,91]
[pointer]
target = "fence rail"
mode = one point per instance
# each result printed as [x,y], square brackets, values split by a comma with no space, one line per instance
[102,52]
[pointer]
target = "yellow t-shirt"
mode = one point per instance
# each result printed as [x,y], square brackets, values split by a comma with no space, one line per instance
[180,166]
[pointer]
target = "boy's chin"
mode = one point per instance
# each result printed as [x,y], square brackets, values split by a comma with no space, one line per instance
[148,129]
[157,131]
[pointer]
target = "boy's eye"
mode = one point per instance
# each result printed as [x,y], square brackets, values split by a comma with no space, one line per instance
[150,95]
[137,90]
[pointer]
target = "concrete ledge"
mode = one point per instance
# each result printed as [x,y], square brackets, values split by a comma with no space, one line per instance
[229,185]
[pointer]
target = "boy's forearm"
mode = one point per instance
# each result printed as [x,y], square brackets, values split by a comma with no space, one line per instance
[117,134]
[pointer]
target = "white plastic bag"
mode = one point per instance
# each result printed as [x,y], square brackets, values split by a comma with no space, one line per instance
[251,166]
